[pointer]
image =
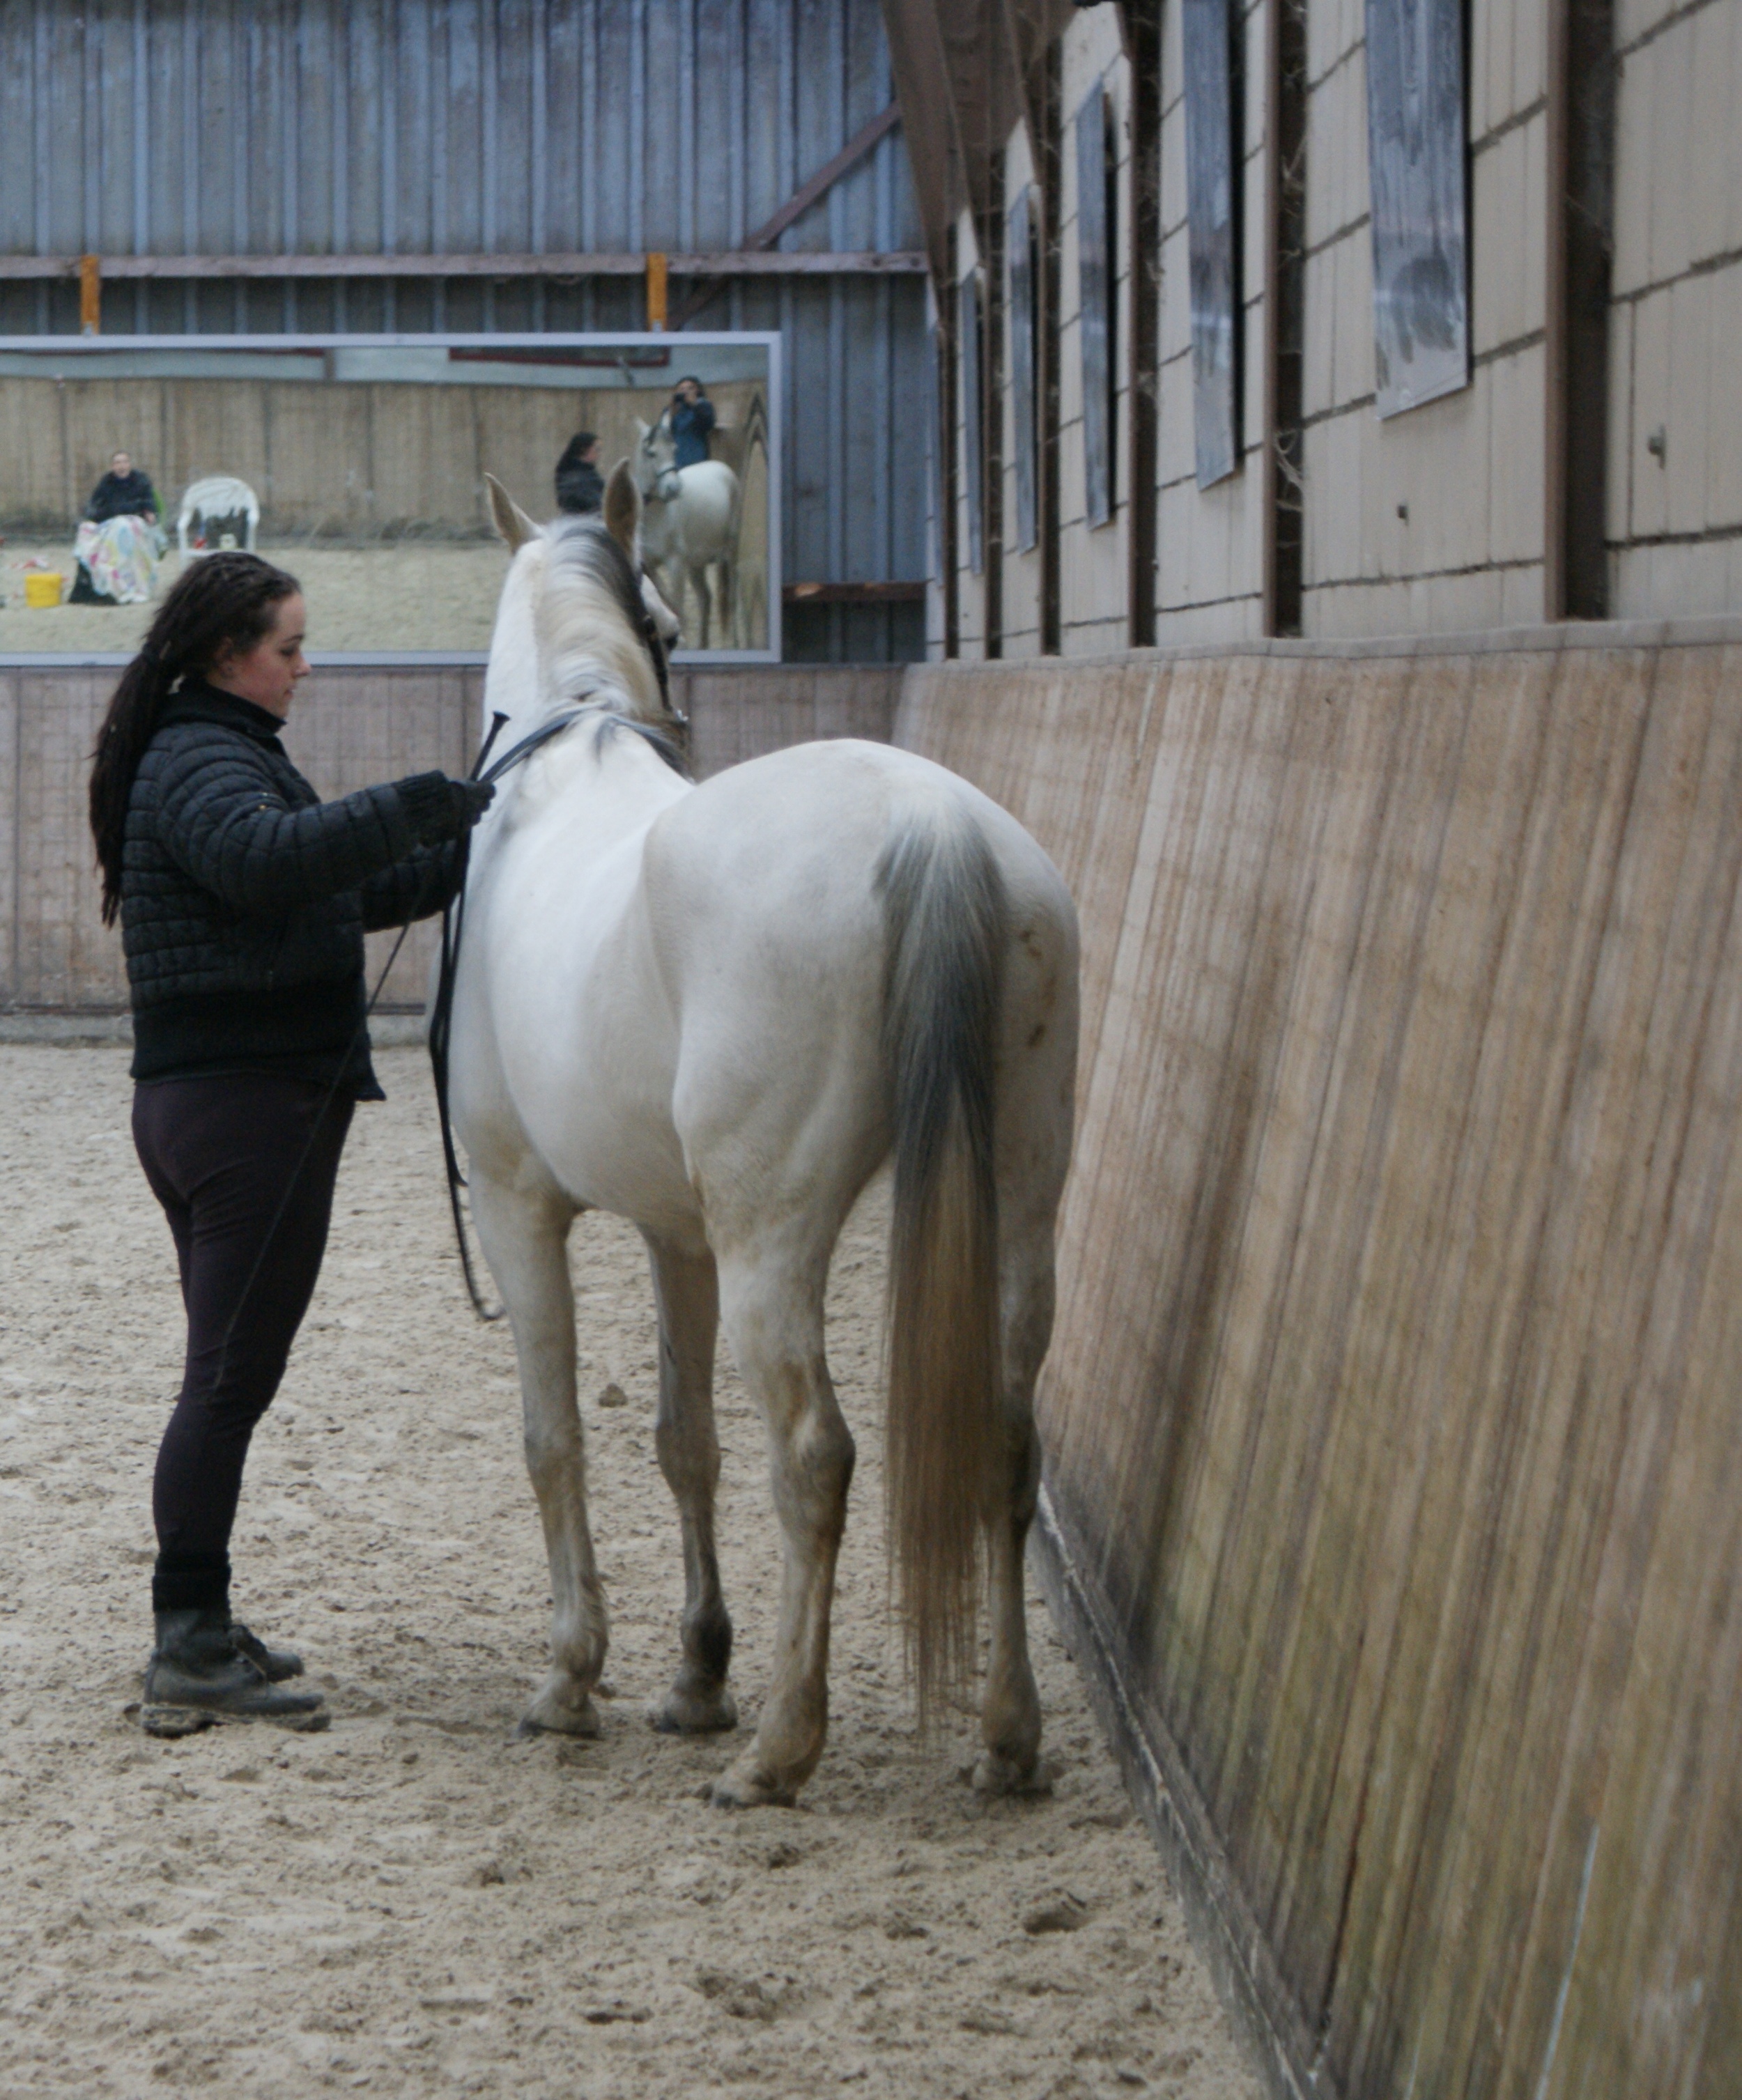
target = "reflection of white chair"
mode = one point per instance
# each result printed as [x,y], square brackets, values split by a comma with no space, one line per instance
[214,501]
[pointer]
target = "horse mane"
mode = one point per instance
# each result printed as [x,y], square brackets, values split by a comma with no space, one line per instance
[590,615]
[611,724]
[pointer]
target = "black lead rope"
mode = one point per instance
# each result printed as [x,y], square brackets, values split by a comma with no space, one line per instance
[441,1010]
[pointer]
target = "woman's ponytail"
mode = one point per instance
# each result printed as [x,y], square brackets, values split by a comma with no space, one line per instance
[224,599]
[126,729]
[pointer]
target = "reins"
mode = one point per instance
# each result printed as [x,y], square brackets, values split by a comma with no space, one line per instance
[441,1009]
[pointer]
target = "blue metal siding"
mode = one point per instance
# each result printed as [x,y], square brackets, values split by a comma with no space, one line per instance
[445,127]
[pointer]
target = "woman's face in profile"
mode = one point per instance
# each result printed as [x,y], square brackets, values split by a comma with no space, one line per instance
[267,675]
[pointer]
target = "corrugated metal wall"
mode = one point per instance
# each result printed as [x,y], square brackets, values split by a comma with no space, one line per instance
[502,126]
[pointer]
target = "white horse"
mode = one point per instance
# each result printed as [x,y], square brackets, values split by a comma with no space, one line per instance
[715,1011]
[690,523]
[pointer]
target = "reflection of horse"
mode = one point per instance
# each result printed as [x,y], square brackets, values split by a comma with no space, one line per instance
[690,524]
[716,1012]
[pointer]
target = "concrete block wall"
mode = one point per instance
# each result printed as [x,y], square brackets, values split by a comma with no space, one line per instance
[1021,626]
[1209,558]
[1093,563]
[1674,525]
[1432,521]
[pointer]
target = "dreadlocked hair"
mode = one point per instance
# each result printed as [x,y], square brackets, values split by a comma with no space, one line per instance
[225,599]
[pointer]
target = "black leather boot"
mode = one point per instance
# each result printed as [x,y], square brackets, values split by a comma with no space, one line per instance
[197,1663]
[274,1663]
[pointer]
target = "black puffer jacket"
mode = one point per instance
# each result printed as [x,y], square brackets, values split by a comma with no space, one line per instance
[244,898]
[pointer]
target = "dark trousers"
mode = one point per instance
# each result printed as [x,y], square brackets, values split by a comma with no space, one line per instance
[244,1167]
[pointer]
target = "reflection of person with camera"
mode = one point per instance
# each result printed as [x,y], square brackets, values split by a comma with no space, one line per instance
[689,417]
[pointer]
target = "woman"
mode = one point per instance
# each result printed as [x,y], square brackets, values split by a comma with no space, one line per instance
[691,414]
[580,486]
[243,900]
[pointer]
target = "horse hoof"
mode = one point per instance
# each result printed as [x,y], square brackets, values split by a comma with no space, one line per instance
[683,1712]
[564,1711]
[742,1787]
[995,1773]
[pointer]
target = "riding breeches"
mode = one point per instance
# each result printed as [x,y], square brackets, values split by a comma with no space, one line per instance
[244,1165]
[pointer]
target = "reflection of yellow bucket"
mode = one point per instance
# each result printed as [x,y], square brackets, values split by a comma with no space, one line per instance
[43,587]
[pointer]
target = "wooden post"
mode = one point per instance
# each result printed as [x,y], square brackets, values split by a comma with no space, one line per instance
[90,295]
[1285,268]
[1579,75]
[1048,155]
[993,363]
[948,537]
[1143,394]
[657,306]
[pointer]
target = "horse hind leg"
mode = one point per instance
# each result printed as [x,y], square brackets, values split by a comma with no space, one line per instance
[774,1316]
[686,1291]
[1034,1144]
[1010,1711]
[525,1238]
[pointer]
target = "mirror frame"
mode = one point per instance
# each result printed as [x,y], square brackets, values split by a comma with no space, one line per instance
[75,347]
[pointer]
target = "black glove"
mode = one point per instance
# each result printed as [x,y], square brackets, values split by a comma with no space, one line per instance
[471,798]
[437,808]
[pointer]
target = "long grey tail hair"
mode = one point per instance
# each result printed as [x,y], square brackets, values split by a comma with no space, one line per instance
[947,919]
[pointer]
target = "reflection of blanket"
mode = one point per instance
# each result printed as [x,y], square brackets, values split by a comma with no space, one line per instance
[120,557]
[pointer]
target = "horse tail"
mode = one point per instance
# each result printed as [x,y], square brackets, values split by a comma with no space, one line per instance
[947,917]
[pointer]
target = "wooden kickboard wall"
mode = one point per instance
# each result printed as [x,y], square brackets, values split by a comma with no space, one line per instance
[352,725]
[1393,1412]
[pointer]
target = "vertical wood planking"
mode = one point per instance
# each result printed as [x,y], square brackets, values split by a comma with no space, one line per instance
[1390,1411]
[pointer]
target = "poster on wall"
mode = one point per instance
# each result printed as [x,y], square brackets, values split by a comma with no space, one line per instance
[1212,204]
[973,408]
[1095,237]
[1020,233]
[358,463]
[1417,154]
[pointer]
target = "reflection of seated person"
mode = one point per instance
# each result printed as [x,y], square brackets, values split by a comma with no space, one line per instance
[691,417]
[124,492]
[580,486]
[119,541]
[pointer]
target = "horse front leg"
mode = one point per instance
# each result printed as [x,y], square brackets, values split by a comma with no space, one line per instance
[774,1319]
[687,1293]
[699,583]
[525,1238]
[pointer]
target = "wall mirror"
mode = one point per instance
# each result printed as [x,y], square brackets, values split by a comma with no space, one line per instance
[359,462]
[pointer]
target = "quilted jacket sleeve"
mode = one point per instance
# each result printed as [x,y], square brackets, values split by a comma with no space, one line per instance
[413,888]
[224,818]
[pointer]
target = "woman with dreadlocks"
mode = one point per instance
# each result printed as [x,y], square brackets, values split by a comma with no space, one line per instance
[243,900]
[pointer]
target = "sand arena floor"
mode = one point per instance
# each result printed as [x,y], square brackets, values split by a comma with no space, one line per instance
[418,594]
[413,1903]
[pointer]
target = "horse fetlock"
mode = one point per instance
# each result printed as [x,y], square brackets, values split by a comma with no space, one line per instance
[1010,1730]
[695,1705]
[747,1782]
[707,1641]
[995,1774]
[564,1707]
